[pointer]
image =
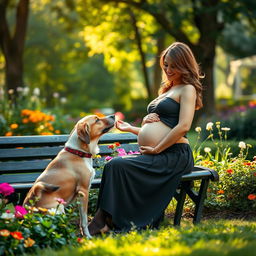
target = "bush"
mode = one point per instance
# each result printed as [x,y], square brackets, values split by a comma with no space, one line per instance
[240,119]
[24,230]
[27,114]
[236,189]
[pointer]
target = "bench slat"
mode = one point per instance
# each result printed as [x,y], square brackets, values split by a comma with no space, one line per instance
[23,166]
[46,140]
[50,152]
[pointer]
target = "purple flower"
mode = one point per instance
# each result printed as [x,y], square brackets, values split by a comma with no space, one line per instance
[6,189]
[20,211]
[108,158]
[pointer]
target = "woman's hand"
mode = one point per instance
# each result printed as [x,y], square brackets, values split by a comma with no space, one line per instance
[150,118]
[123,126]
[147,150]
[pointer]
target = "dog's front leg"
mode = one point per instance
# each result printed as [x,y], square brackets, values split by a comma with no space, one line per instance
[83,207]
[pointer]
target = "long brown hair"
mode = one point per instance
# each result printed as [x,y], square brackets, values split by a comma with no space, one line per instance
[184,61]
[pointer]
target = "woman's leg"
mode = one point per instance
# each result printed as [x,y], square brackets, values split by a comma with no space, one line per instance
[99,223]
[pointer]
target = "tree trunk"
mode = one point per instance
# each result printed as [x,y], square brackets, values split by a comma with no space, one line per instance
[157,69]
[142,54]
[13,46]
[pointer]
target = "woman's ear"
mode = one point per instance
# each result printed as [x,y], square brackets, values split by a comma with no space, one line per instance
[83,131]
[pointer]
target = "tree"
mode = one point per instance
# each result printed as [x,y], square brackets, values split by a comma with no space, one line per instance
[12,45]
[197,23]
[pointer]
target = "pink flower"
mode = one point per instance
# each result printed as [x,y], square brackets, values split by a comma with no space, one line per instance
[119,116]
[133,152]
[108,158]
[20,211]
[60,200]
[6,189]
[121,152]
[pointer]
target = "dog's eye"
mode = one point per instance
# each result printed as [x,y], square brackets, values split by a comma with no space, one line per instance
[97,120]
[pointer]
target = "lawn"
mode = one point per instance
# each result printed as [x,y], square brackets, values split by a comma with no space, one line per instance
[211,237]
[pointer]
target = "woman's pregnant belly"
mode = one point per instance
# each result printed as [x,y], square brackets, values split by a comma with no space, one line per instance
[152,133]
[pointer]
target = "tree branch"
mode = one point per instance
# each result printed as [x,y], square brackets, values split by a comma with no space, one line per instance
[160,17]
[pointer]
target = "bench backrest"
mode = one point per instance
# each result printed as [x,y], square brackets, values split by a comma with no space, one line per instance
[30,155]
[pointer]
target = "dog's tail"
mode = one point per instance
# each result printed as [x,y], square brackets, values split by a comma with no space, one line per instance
[36,191]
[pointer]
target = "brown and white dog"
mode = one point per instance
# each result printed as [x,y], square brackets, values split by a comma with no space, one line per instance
[71,172]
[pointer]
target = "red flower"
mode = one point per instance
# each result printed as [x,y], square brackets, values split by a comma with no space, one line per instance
[251,197]
[111,146]
[17,235]
[221,191]
[117,144]
[230,171]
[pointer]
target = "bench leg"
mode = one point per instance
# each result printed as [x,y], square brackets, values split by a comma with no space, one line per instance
[200,201]
[180,197]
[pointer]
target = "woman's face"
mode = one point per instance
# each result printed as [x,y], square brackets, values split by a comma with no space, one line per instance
[173,74]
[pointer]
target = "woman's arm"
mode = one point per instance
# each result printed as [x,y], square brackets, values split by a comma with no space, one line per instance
[187,110]
[126,127]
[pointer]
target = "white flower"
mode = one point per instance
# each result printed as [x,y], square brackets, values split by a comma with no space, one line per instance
[207,150]
[7,216]
[198,129]
[225,129]
[19,89]
[52,211]
[11,91]
[63,100]
[25,91]
[209,126]
[242,145]
[56,95]
[36,91]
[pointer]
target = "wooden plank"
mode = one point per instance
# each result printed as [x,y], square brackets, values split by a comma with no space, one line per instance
[29,153]
[51,152]
[17,178]
[39,140]
[23,166]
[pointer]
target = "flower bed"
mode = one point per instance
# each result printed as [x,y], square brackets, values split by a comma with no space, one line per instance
[26,229]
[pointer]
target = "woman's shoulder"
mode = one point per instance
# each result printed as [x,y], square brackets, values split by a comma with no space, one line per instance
[188,91]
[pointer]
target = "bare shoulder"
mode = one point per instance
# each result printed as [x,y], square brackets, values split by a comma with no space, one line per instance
[188,88]
[188,91]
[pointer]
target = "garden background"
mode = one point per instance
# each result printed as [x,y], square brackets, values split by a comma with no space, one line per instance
[61,60]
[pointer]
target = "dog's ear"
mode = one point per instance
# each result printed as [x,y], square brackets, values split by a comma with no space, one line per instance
[83,131]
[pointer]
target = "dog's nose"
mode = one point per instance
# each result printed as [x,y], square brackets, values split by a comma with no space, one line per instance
[112,116]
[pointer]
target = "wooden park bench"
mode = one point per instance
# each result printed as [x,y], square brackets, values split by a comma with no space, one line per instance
[23,158]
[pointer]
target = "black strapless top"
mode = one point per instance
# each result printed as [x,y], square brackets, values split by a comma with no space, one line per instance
[168,110]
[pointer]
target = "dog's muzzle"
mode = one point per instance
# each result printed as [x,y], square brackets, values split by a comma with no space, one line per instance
[111,121]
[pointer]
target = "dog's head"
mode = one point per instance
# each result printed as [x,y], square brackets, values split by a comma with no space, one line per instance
[90,128]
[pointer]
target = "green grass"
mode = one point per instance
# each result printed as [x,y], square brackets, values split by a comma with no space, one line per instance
[211,237]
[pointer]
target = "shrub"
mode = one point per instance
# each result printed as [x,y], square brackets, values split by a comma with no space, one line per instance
[26,229]
[27,114]
[241,120]
[236,189]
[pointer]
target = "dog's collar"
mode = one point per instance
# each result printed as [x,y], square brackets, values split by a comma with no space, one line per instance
[78,152]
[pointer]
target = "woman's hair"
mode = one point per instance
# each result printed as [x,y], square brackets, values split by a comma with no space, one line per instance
[184,61]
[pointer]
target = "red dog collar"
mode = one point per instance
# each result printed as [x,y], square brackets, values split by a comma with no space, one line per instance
[78,152]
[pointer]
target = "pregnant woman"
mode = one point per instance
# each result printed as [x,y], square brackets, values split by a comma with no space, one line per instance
[135,190]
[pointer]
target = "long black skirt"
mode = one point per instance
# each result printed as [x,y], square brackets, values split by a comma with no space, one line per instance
[136,189]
